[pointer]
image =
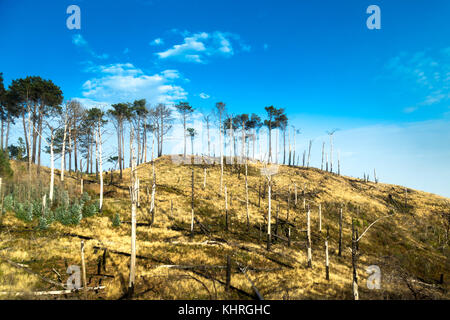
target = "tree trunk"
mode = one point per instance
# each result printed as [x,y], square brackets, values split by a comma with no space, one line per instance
[221,152]
[308,235]
[226,209]
[284,146]
[320,217]
[133,221]
[52,169]
[269,235]
[331,153]
[309,152]
[323,148]
[354,261]
[83,267]
[327,262]
[39,144]
[184,134]
[340,232]
[101,165]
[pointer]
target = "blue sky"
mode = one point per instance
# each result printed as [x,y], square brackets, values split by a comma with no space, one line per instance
[386,90]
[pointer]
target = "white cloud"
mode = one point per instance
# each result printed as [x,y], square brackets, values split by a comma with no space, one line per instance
[426,70]
[198,47]
[157,42]
[124,82]
[79,41]
[204,95]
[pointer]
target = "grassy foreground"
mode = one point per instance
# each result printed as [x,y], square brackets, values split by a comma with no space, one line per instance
[410,246]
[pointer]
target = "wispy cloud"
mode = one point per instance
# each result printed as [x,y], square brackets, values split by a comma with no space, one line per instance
[79,41]
[124,82]
[157,42]
[204,95]
[427,70]
[199,47]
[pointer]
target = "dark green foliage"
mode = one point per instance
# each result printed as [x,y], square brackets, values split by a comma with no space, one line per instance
[5,167]
[62,215]
[24,212]
[116,220]
[90,210]
[43,223]
[8,203]
[17,152]
[85,197]
[76,213]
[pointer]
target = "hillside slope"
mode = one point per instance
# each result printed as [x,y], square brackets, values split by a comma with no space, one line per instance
[409,245]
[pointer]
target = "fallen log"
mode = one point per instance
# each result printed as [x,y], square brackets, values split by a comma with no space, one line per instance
[255,289]
[27,270]
[54,292]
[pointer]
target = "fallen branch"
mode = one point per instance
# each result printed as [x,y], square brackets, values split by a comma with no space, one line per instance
[18,265]
[54,292]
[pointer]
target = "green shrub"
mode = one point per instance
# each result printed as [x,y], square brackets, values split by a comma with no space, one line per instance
[90,210]
[8,203]
[62,215]
[5,167]
[85,197]
[43,223]
[76,213]
[24,212]
[116,220]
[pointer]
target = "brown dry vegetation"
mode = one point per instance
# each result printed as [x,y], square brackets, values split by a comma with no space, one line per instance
[410,246]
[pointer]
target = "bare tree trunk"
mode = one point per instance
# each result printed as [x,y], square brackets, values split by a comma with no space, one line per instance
[145,143]
[276,147]
[184,134]
[99,157]
[209,139]
[339,163]
[284,146]
[204,177]
[309,152]
[340,232]
[226,209]
[119,148]
[192,200]
[246,194]
[221,152]
[269,235]
[354,261]
[327,262]
[52,168]
[323,149]
[83,266]
[308,235]
[39,146]
[152,204]
[70,150]
[295,187]
[133,219]
[320,217]
[331,152]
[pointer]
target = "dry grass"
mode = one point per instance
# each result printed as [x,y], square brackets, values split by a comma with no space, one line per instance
[409,246]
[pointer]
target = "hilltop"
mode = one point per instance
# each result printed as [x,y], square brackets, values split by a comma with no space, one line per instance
[409,244]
